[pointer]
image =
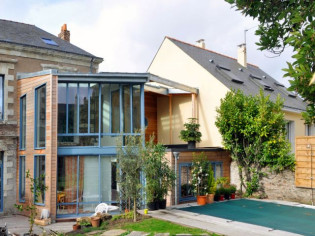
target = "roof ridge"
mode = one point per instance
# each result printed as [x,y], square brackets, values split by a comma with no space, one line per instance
[17,22]
[207,50]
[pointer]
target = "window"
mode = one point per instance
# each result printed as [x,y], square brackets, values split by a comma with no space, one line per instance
[1,97]
[290,133]
[50,42]
[22,122]
[39,174]
[310,130]
[22,179]
[217,169]
[40,117]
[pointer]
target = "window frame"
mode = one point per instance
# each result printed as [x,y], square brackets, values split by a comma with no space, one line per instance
[20,177]
[21,122]
[2,97]
[35,176]
[35,114]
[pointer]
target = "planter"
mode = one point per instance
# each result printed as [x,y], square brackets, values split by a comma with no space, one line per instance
[221,197]
[95,221]
[162,204]
[191,144]
[232,195]
[76,227]
[227,196]
[210,198]
[202,200]
[153,205]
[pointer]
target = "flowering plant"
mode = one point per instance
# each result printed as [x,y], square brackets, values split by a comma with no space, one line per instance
[200,172]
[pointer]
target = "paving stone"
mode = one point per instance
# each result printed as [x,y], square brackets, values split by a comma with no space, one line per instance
[162,234]
[94,232]
[138,233]
[113,232]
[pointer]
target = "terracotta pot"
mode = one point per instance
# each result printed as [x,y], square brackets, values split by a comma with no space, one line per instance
[210,198]
[95,221]
[232,195]
[76,227]
[221,198]
[202,200]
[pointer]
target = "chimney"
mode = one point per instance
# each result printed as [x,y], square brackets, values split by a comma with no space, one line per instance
[64,33]
[201,43]
[241,55]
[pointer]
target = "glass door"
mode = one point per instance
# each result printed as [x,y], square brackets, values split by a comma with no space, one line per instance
[1,182]
[185,183]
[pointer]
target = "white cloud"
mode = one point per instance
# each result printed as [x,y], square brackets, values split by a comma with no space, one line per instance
[127,34]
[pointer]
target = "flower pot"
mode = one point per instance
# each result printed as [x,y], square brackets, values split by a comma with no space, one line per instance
[210,198]
[191,144]
[162,204]
[221,198]
[95,221]
[76,227]
[232,195]
[153,205]
[202,200]
[227,196]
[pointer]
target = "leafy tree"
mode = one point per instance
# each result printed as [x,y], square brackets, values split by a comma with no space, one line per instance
[253,130]
[130,163]
[288,23]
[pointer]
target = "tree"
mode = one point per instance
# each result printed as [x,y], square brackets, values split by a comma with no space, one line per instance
[288,23]
[253,130]
[130,163]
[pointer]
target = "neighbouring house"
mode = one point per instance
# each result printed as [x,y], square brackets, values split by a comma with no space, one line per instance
[214,74]
[25,48]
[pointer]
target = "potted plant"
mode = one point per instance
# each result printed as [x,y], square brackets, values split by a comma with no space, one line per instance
[211,186]
[232,191]
[95,221]
[219,194]
[191,133]
[200,177]
[76,227]
[84,223]
[227,193]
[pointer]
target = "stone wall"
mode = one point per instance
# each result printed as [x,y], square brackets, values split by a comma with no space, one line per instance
[8,146]
[279,186]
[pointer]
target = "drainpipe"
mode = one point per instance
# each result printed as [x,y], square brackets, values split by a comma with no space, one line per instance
[176,156]
[91,65]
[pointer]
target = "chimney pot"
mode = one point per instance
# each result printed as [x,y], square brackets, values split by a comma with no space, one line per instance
[201,43]
[64,33]
[241,55]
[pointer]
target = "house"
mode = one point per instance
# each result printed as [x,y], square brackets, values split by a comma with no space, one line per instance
[215,74]
[26,48]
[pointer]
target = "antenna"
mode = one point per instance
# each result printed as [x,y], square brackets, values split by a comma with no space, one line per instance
[245,31]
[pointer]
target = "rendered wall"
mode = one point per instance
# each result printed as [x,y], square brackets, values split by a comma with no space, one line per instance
[183,69]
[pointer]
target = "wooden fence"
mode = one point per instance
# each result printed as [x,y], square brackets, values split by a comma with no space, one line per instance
[305,162]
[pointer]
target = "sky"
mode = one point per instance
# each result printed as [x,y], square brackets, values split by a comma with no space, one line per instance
[128,33]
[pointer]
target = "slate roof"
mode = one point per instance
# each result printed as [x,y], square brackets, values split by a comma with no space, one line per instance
[250,80]
[30,35]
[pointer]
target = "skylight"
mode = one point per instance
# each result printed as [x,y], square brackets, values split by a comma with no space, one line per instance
[230,75]
[266,86]
[50,42]
[284,89]
[279,84]
[223,68]
[255,76]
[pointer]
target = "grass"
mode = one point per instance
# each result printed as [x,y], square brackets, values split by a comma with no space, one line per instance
[154,226]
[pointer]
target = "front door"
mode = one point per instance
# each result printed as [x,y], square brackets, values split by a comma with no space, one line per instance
[185,183]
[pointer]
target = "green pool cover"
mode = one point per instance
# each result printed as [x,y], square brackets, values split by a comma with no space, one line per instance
[298,220]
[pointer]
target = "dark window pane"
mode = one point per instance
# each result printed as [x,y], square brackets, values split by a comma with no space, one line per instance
[115,108]
[126,108]
[72,108]
[23,122]
[62,107]
[84,105]
[65,141]
[105,108]
[40,176]
[22,178]
[136,108]
[40,117]
[94,108]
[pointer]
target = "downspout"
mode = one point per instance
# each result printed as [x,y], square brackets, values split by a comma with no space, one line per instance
[91,65]
[310,146]
[176,156]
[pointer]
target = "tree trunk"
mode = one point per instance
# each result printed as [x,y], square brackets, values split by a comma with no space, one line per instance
[134,209]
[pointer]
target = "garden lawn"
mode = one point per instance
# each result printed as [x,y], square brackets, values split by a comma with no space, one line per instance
[153,226]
